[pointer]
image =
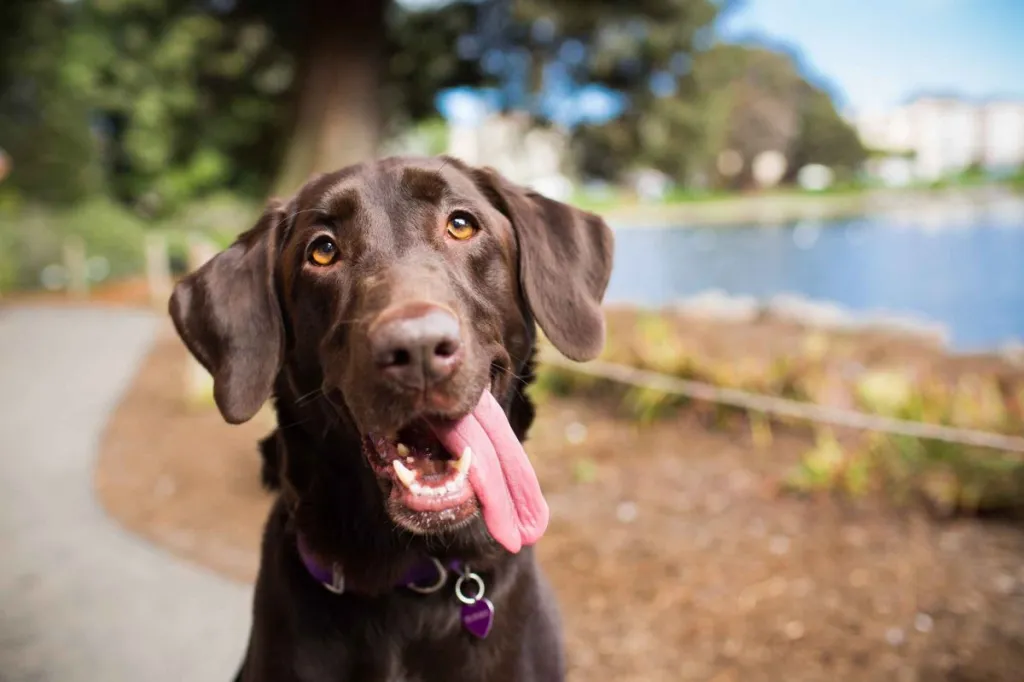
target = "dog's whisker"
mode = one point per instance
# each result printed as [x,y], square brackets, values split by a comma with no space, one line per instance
[509,372]
[312,395]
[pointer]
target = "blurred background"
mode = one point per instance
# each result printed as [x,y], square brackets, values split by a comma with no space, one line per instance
[801,455]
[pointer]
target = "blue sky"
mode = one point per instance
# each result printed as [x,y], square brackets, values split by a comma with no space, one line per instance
[875,52]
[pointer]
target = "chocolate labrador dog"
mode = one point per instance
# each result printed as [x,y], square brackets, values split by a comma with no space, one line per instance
[390,311]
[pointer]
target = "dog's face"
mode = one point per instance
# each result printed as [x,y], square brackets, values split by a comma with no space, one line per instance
[399,292]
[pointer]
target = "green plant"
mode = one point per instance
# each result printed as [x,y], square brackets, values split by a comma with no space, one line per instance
[885,392]
[32,238]
[821,466]
[584,470]
[647,405]
[657,345]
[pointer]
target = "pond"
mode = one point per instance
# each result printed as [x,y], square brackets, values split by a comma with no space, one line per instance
[962,269]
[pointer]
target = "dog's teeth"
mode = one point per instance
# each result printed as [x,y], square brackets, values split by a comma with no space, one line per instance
[403,450]
[426,490]
[405,475]
[462,463]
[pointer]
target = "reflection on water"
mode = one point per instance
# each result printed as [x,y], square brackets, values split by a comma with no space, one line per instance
[964,270]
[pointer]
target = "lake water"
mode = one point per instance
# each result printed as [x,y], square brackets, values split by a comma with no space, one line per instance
[963,269]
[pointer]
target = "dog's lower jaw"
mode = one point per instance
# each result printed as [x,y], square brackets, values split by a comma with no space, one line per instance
[344,515]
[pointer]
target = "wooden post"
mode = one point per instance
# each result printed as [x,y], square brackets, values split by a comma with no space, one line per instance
[75,267]
[158,270]
[198,382]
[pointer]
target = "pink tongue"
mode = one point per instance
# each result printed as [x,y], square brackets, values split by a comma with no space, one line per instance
[502,477]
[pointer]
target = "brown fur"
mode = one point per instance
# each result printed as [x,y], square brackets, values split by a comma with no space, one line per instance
[265,324]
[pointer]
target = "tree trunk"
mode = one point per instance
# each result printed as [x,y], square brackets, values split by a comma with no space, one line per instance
[337,118]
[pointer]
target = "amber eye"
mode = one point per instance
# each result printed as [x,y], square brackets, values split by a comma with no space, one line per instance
[462,226]
[323,252]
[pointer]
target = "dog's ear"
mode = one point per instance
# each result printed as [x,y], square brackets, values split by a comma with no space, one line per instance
[565,261]
[229,317]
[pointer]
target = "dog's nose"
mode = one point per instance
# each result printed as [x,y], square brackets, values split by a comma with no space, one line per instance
[417,349]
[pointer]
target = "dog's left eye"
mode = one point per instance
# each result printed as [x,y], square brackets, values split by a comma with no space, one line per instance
[323,252]
[462,226]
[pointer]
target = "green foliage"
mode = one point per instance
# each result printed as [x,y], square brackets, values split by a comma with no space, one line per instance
[745,98]
[755,99]
[1017,179]
[826,138]
[184,92]
[822,467]
[162,100]
[885,392]
[647,404]
[43,124]
[584,470]
[630,45]
[33,238]
[949,476]
[32,235]
[423,60]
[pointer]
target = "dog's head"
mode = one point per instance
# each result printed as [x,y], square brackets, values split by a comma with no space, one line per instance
[397,294]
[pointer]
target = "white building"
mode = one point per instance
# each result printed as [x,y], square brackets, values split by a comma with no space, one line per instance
[1002,141]
[943,136]
[513,146]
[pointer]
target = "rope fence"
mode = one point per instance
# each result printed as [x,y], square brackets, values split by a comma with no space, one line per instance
[785,407]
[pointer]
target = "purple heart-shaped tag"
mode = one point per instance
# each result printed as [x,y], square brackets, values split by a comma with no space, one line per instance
[478,617]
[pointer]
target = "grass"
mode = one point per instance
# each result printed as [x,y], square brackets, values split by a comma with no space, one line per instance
[615,201]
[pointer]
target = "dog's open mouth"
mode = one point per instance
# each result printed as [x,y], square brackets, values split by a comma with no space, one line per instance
[425,477]
[438,473]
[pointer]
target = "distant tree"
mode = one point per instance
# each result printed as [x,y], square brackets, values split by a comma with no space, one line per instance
[757,93]
[754,99]
[748,99]
[190,96]
[519,46]
[646,51]
[825,137]
[43,126]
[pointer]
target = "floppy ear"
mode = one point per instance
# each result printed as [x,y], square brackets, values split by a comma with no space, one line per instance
[565,261]
[227,314]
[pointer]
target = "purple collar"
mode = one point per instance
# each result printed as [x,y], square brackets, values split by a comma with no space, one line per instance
[476,613]
[425,577]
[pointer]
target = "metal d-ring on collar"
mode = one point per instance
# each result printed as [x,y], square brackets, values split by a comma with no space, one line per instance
[337,584]
[476,580]
[332,577]
[442,578]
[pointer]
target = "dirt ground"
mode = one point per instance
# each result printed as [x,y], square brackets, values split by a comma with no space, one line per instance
[672,552]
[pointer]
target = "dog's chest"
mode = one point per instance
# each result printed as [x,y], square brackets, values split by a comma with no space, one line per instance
[379,654]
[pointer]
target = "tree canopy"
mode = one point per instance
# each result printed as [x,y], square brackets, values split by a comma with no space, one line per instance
[159,101]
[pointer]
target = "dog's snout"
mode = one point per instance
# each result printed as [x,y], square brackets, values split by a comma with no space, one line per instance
[417,348]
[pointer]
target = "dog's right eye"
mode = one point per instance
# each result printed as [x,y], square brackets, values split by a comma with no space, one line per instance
[323,252]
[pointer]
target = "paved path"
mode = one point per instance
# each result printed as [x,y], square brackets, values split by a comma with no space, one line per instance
[80,598]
